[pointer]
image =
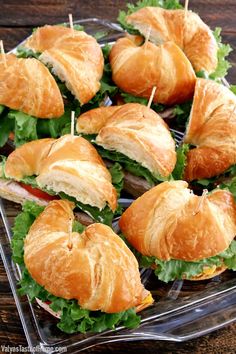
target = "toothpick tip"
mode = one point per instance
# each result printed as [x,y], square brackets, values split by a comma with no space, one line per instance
[72,130]
[151,97]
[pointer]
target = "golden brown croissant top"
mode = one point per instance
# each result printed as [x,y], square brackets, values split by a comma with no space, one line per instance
[98,269]
[169,222]
[47,37]
[69,164]
[137,69]
[134,130]
[28,86]
[212,128]
[76,58]
[186,29]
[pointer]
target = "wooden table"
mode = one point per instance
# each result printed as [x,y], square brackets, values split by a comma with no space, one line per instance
[17,18]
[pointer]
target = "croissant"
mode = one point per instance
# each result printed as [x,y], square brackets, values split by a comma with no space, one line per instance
[97,268]
[47,37]
[135,131]
[186,29]
[137,69]
[169,222]
[69,164]
[28,86]
[212,129]
[76,58]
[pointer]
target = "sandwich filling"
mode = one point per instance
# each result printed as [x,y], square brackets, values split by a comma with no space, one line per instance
[179,269]
[129,165]
[227,180]
[105,215]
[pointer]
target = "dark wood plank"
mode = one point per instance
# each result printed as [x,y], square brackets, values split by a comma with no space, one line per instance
[39,12]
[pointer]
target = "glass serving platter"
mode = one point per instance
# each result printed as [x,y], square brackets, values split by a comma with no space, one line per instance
[182,310]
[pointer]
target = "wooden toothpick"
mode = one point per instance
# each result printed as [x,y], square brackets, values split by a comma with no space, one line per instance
[186,7]
[72,124]
[151,97]
[70,244]
[147,38]
[201,200]
[232,113]
[184,21]
[3,55]
[71,23]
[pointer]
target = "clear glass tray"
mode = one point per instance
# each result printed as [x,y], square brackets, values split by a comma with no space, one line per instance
[182,310]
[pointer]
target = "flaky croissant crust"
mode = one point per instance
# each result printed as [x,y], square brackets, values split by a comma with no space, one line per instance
[69,164]
[169,222]
[137,69]
[28,86]
[75,57]
[98,269]
[212,129]
[185,28]
[134,130]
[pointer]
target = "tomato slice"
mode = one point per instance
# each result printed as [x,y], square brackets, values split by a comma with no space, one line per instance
[11,136]
[37,192]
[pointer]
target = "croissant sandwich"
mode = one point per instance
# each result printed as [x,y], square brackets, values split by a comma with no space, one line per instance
[184,28]
[62,72]
[133,135]
[88,276]
[27,91]
[68,167]
[75,57]
[211,130]
[28,86]
[181,235]
[136,69]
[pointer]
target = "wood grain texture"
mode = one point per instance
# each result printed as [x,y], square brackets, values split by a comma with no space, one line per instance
[16,20]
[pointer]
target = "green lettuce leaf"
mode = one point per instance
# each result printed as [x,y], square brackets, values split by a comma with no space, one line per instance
[2,166]
[130,165]
[55,128]
[230,185]
[106,51]
[233,88]
[78,227]
[225,180]
[223,51]
[105,216]
[25,127]
[73,317]
[131,8]
[182,114]
[177,269]
[1,109]
[100,34]
[128,98]
[181,161]
[23,52]
[21,227]
[6,125]
[117,177]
